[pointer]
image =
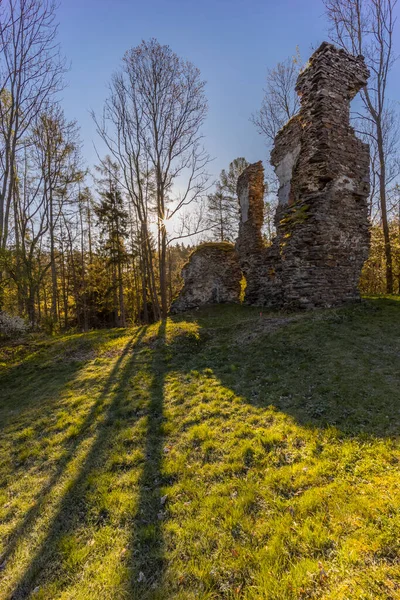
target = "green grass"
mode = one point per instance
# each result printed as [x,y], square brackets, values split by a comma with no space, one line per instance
[222,455]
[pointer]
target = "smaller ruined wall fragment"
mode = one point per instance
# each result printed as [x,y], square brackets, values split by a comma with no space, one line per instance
[260,265]
[249,245]
[211,276]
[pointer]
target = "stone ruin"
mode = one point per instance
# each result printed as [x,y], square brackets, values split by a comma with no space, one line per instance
[212,276]
[321,220]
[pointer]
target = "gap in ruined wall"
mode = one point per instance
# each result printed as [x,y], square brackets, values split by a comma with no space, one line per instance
[243,285]
[356,108]
[268,229]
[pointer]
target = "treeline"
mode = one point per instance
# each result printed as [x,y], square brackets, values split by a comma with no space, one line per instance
[88,251]
[105,248]
[373,277]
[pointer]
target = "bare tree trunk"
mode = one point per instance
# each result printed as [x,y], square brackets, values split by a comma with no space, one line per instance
[144,289]
[53,263]
[170,275]
[18,266]
[63,286]
[46,310]
[38,304]
[366,27]
[383,203]
[148,257]
[30,307]
[163,272]
[136,294]
[121,295]
[83,268]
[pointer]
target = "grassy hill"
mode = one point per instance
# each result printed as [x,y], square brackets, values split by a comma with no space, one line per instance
[222,455]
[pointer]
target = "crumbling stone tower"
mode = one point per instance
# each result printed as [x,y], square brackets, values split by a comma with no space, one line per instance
[250,245]
[323,170]
[322,216]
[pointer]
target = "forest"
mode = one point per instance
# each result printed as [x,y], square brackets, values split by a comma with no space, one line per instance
[86,246]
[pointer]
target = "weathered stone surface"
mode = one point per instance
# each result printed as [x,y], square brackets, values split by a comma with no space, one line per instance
[211,276]
[258,263]
[322,217]
[249,245]
[323,168]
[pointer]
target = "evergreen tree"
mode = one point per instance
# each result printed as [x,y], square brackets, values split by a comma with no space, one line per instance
[113,221]
[222,205]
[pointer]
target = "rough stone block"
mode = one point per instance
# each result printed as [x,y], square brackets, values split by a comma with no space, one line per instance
[211,276]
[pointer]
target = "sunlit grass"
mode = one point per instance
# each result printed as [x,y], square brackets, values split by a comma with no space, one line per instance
[224,455]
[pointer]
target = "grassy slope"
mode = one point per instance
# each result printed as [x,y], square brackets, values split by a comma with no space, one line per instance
[225,455]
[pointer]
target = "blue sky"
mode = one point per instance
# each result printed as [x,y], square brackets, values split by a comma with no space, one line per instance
[232,42]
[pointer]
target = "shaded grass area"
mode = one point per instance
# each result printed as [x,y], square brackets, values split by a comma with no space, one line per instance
[222,454]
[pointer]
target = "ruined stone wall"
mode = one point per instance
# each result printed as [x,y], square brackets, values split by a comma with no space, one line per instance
[211,276]
[322,216]
[260,265]
[249,245]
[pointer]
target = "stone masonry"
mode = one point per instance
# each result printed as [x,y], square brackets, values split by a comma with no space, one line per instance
[322,216]
[322,226]
[323,168]
[250,244]
[258,263]
[211,276]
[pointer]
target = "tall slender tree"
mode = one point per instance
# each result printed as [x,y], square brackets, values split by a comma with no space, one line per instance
[222,205]
[367,27]
[56,143]
[113,218]
[31,72]
[156,109]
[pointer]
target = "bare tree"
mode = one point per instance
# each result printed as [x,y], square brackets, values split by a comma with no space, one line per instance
[31,71]
[280,102]
[120,129]
[223,208]
[31,226]
[191,223]
[366,27]
[113,219]
[157,107]
[57,146]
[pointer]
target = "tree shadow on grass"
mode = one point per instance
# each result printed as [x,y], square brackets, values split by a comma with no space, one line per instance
[41,371]
[147,545]
[72,509]
[85,430]
[334,368]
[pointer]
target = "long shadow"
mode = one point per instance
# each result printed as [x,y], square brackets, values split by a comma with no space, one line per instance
[85,430]
[290,368]
[72,506]
[335,368]
[43,369]
[147,545]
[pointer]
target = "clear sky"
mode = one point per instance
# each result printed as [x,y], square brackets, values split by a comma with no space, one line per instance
[232,42]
